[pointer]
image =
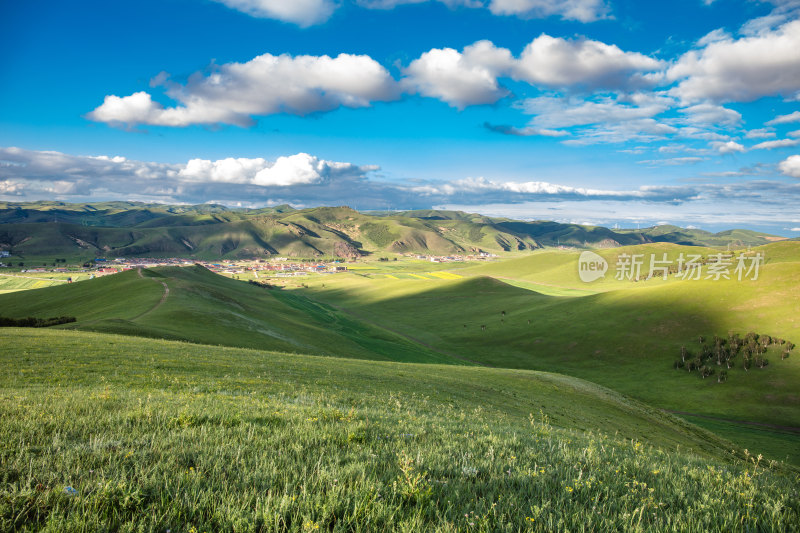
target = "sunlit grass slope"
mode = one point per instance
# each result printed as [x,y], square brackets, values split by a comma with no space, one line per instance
[107,432]
[206,308]
[626,339]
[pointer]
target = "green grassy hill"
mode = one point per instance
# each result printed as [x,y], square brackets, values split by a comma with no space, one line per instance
[46,230]
[621,334]
[206,308]
[527,313]
[107,432]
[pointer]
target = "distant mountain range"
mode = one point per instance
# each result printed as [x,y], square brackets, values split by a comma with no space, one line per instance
[130,229]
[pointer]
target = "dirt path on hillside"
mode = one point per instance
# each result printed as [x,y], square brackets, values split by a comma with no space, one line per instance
[791,429]
[408,337]
[160,302]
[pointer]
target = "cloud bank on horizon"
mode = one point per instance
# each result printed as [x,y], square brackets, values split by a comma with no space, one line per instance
[304,180]
[710,119]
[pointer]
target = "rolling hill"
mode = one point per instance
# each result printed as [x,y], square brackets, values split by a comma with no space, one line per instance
[525,313]
[193,304]
[111,432]
[46,230]
[134,417]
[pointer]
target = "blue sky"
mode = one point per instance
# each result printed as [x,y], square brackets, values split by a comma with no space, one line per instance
[595,111]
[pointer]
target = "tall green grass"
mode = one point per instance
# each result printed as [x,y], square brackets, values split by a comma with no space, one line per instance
[111,433]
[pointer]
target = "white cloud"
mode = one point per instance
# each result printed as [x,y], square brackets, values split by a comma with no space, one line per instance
[795,133]
[780,143]
[729,147]
[229,170]
[713,36]
[564,112]
[741,70]
[460,79]
[581,10]
[762,133]
[711,114]
[557,62]
[265,85]
[471,77]
[301,12]
[298,169]
[785,119]
[790,166]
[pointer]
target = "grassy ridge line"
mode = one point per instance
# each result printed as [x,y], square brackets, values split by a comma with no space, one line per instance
[114,433]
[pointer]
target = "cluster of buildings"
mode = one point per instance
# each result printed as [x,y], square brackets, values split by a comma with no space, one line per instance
[480,256]
[280,266]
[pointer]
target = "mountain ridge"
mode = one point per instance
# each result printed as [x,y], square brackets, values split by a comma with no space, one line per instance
[206,231]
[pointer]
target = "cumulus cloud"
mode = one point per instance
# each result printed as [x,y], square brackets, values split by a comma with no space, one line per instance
[286,171]
[729,147]
[471,77]
[740,70]
[557,62]
[581,10]
[301,12]
[235,92]
[790,166]
[460,79]
[780,143]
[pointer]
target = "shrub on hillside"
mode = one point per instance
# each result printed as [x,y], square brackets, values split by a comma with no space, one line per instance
[33,322]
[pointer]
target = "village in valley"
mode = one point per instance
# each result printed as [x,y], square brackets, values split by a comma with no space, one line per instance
[244,269]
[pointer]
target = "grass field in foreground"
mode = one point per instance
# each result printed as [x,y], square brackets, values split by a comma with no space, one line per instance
[105,432]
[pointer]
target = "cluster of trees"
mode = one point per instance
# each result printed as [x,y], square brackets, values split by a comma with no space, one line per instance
[719,351]
[264,284]
[33,322]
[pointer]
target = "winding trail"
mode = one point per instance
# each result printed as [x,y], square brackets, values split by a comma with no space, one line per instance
[160,302]
[791,429]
